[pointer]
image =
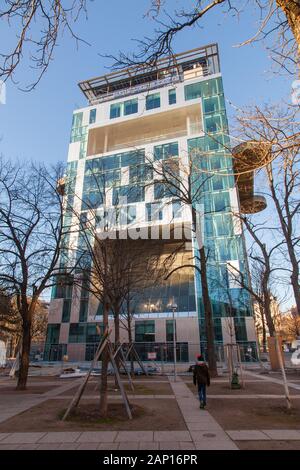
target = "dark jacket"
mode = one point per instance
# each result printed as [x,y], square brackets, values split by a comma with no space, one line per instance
[201,374]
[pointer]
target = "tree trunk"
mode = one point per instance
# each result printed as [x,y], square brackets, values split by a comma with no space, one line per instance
[208,313]
[130,343]
[291,9]
[209,322]
[24,359]
[103,407]
[117,339]
[268,314]
[264,332]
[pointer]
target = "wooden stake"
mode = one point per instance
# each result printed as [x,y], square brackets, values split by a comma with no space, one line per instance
[286,388]
[75,400]
[122,390]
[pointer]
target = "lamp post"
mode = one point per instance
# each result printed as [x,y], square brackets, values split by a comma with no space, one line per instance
[174,308]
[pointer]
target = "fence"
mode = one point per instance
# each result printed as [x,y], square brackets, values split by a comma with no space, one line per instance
[149,351]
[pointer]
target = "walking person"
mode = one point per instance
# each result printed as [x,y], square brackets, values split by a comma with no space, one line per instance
[201,378]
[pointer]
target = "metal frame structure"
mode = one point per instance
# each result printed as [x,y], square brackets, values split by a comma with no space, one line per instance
[166,70]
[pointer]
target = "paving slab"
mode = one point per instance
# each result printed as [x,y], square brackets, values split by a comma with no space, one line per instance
[169,446]
[248,435]
[23,438]
[9,447]
[209,436]
[149,446]
[88,446]
[28,447]
[186,446]
[69,446]
[283,434]
[128,446]
[172,436]
[213,445]
[3,435]
[204,425]
[134,436]
[109,446]
[60,437]
[48,446]
[97,436]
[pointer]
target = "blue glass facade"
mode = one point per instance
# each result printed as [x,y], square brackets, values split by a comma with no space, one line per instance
[221,242]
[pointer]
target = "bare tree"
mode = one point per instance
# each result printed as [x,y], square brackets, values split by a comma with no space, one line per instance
[11,322]
[278,130]
[279,21]
[31,233]
[38,25]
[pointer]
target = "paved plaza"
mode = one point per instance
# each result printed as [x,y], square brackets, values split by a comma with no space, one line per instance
[203,432]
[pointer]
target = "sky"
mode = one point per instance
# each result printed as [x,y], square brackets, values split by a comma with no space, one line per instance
[36,125]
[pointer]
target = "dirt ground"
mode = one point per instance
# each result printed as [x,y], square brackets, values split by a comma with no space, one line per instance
[31,389]
[261,388]
[268,445]
[254,413]
[148,414]
[139,389]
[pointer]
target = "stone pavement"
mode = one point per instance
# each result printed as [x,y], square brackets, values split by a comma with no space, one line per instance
[205,432]
[10,407]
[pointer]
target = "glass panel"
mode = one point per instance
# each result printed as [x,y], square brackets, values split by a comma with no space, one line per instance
[192,91]
[93,113]
[83,311]
[153,101]
[172,96]
[170,329]
[66,310]
[240,329]
[176,209]
[115,110]
[166,151]
[145,331]
[130,107]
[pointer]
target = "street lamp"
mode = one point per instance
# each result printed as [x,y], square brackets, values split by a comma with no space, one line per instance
[174,308]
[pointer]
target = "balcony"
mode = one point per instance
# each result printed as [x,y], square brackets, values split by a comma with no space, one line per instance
[248,157]
[136,132]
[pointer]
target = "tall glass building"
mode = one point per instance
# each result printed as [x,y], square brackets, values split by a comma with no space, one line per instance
[136,116]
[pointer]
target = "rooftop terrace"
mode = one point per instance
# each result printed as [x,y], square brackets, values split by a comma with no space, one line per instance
[168,70]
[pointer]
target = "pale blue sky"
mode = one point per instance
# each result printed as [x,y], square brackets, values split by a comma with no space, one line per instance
[36,125]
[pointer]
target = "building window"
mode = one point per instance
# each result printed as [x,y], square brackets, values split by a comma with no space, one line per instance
[176,209]
[170,330]
[66,311]
[93,113]
[153,212]
[115,110]
[193,91]
[131,214]
[145,331]
[165,151]
[53,331]
[130,107]
[153,101]
[140,173]
[172,96]
[128,194]
[83,311]
[77,333]
[240,329]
